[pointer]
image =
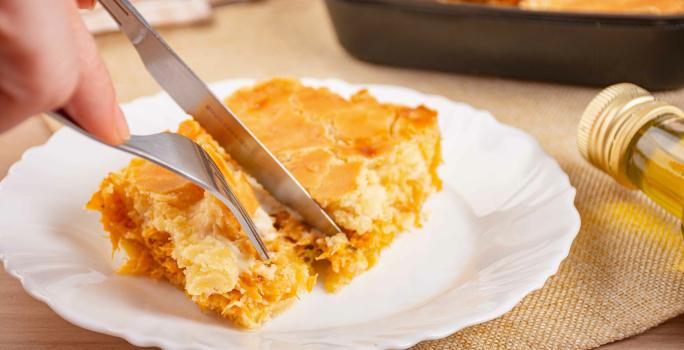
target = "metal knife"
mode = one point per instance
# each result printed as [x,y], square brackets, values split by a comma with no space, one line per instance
[195,98]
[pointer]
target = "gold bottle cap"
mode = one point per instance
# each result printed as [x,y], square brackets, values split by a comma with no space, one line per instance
[610,122]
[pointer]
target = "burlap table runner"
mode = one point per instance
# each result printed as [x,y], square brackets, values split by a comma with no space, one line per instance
[621,276]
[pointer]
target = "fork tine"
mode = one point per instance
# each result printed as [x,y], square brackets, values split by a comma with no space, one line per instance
[224,193]
[186,158]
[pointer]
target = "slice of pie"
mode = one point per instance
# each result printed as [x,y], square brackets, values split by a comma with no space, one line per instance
[371,165]
[170,228]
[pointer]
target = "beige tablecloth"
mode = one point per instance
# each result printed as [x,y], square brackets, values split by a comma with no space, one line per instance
[622,274]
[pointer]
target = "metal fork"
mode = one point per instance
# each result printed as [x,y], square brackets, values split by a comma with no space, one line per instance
[184,157]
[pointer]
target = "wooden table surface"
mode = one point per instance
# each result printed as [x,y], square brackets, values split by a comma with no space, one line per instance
[26,323]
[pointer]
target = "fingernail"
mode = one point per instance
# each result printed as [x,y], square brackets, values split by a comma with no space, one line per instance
[122,126]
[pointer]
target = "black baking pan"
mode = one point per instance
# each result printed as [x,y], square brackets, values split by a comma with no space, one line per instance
[589,49]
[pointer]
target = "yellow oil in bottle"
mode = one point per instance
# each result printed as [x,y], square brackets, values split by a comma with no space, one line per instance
[654,162]
[639,141]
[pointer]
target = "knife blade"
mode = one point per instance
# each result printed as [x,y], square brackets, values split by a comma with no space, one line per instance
[195,98]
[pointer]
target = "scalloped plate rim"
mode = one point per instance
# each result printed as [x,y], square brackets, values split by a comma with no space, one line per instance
[407,340]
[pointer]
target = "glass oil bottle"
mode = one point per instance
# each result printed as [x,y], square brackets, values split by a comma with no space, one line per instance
[639,141]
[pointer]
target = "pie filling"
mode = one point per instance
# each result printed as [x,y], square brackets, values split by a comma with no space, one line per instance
[370,165]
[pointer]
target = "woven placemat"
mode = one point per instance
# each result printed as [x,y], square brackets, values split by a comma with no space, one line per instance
[622,277]
[623,274]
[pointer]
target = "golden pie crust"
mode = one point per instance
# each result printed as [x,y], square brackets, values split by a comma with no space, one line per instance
[371,165]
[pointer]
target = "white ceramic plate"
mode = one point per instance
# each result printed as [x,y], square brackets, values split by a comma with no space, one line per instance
[501,226]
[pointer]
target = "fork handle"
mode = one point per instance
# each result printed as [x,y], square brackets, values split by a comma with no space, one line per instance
[227,196]
[64,118]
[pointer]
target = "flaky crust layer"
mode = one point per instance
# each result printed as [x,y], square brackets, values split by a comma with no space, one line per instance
[371,165]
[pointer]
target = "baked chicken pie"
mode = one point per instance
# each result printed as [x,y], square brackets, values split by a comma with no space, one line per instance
[371,165]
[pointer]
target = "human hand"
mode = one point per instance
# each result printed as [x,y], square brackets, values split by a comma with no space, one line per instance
[48,60]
